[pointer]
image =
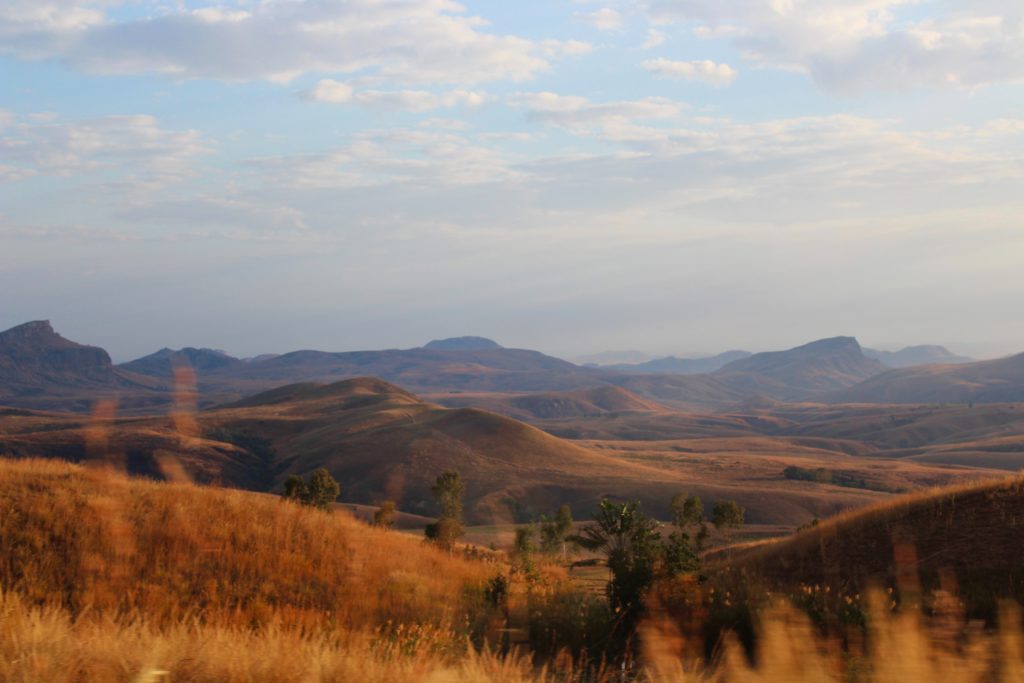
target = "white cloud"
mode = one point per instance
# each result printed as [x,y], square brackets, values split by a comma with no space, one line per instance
[867,44]
[428,41]
[604,19]
[615,121]
[434,155]
[132,149]
[335,92]
[705,70]
[654,39]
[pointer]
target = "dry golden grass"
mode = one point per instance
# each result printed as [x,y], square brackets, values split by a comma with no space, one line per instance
[45,644]
[93,541]
[104,578]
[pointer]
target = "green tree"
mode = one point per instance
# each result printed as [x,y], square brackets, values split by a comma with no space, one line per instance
[680,554]
[687,511]
[525,549]
[447,491]
[295,488]
[320,491]
[384,516]
[323,488]
[555,533]
[632,547]
[727,515]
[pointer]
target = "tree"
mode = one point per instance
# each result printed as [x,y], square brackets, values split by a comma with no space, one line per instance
[295,488]
[727,515]
[680,554]
[525,549]
[447,491]
[687,511]
[385,514]
[323,488]
[320,491]
[631,543]
[554,533]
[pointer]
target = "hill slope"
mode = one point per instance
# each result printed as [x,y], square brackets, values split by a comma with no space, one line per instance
[383,442]
[972,532]
[163,362]
[802,372]
[993,381]
[590,403]
[90,540]
[681,366]
[41,369]
[916,355]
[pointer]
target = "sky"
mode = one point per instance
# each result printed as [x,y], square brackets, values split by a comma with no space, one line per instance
[674,176]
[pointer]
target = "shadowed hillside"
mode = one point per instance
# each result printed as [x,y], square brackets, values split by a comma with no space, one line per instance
[966,538]
[802,372]
[597,402]
[41,369]
[163,363]
[993,381]
[916,355]
[680,366]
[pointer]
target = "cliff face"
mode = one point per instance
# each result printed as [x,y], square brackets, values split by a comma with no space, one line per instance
[34,354]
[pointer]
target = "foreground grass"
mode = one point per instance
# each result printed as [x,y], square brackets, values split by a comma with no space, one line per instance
[104,578]
[92,541]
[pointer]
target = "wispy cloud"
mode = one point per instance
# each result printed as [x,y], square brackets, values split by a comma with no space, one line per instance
[278,41]
[703,70]
[867,44]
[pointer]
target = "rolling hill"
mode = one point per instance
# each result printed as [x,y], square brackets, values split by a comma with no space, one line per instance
[680,366]
[162,363]
[383,442]
[971,534]
[916,355]
[462,344]
[597,402]
[992,381]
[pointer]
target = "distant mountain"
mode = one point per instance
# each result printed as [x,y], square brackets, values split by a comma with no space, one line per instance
[41,369]
[801,373]
[992,381]
[163,362]
[463,344]
[916,355]
[681,366]
[613,358]
[33,354]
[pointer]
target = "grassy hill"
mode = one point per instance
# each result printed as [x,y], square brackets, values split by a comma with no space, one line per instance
[89,539]
[597,402]
[382,442]
[965,538]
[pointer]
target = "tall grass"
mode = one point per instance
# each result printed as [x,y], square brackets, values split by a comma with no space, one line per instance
[91,541]
[104,578]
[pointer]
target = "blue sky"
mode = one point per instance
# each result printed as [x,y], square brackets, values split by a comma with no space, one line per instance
[672,175]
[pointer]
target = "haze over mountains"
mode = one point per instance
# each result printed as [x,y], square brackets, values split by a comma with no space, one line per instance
[41,369]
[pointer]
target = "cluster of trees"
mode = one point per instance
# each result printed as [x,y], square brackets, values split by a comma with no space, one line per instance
[551,536]
[635,549]
[320,491]
[637,553]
